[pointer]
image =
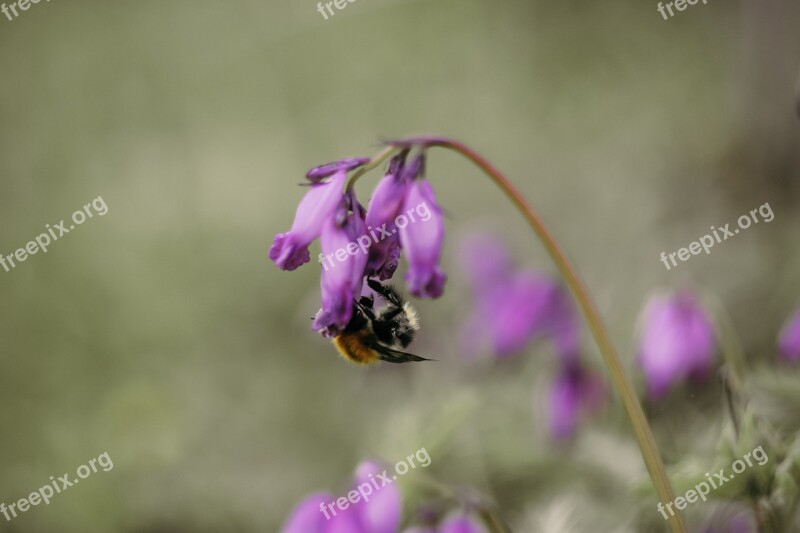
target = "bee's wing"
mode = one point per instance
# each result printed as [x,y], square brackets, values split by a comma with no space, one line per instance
[391,355]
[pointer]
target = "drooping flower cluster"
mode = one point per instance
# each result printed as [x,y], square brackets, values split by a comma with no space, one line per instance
[515,307]
[365,242]
[677,342]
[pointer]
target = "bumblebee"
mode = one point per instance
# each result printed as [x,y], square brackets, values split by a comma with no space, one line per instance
[373,335]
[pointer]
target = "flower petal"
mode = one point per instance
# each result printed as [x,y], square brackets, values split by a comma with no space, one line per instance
[678,341]
[329,169]
[789,342]
[574,392]
[290,250]
[307,517]
[381,514]
[422,241]
[342,279]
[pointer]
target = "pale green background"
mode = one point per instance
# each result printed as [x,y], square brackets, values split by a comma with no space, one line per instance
[162,334]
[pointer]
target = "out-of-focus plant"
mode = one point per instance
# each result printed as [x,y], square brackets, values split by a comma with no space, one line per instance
[333,213]
[678,344]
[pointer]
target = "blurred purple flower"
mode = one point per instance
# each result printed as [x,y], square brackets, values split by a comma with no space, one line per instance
[789,342]
[574,393]
[290,250]
[461,524]
[380,514]
[678,342]
[739,523]
[383,511]
[514,307]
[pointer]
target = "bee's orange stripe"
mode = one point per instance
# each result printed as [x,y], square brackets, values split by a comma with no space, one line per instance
[352,348]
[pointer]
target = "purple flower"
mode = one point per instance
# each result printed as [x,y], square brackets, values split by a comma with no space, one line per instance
[379,513]
[678,342]
[341,284]
[574,393]
[789,342]
[365,243]
[514,307]
[307,517]
[422,242]
[384,206]
[290,250]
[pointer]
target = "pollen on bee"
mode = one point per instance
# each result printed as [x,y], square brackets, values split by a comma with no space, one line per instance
[351,346]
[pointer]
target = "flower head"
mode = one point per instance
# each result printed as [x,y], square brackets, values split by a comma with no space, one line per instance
[513,307]
[789,342]
[341,284]
[384,206]
[574,392]
[383,511]
[422,242]
[380,513]
[290,250]
[366,243]
[678,342]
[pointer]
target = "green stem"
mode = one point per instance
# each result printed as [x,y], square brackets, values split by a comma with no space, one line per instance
[622,384]
[374,162]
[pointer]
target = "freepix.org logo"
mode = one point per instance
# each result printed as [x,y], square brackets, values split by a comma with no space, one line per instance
[53,233]
[375,236]
[56,486]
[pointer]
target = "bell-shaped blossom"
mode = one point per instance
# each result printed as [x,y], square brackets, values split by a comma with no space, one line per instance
[383,511]
[677,342]
[789,342]
[422,242]
[574,393]
[379,513]
[290,250]
[512,307]
[340,282]
[384,206]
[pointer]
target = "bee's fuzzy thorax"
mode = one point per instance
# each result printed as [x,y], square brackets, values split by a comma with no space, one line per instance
[411,316]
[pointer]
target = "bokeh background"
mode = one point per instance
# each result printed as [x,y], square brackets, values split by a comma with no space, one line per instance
[162,334]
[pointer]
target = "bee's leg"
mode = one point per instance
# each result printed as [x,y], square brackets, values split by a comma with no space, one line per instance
[390,315]
[366,309]
[388,293]
[367,301]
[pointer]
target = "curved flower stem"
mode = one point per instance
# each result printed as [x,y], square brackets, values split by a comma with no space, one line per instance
[374,162]
[622,384]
